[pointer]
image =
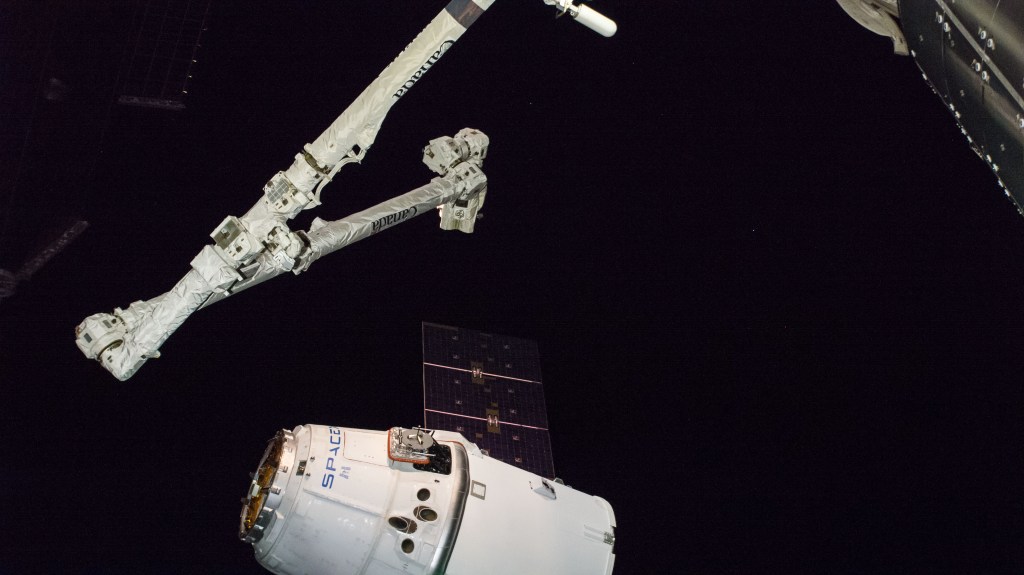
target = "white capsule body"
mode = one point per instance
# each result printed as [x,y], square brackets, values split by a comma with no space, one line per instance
[337,500]
[516,522]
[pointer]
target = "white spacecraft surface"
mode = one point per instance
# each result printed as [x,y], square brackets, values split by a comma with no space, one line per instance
[337,500]
[260,245]
[478,499]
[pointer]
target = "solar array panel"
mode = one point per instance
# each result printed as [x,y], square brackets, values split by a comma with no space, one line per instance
[488,388]
[166,43]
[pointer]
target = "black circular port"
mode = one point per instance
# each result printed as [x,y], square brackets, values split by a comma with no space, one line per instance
[408,545]
[423,494]
[426,514]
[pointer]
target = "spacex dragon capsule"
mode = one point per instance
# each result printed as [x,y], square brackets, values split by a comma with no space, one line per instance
[337,500]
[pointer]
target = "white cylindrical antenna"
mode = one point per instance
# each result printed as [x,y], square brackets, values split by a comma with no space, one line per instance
[594,20]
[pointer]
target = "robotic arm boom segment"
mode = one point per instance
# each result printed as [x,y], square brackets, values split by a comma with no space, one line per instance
[259,245]
[124,340]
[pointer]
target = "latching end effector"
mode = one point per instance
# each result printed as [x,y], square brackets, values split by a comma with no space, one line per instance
[459,159]
[108,338]
[462,212]
[442,154]
[99,332]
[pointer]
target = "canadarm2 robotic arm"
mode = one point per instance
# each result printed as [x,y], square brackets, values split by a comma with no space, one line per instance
[124,340]
[259,245]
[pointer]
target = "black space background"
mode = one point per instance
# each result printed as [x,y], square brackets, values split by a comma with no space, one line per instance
[777,297]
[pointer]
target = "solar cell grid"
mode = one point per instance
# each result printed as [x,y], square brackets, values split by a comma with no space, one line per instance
[526,448]
[500,355]
[487,387]
[454,391]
